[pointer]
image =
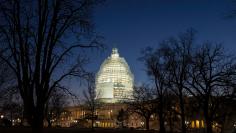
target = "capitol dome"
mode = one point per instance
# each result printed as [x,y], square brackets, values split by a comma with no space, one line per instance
[114,80]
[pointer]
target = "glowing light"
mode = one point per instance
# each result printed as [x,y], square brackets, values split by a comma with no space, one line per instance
[142,123]
[202,124]
[186,122]
[18,119]
[152,116]
[2,116]
[193,124]
[197,124]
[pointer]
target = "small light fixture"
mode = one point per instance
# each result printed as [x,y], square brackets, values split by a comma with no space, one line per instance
[142,123]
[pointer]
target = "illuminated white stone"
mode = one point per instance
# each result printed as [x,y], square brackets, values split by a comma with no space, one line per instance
[114,80]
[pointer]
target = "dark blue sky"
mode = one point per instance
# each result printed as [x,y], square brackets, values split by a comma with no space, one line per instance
[131,25]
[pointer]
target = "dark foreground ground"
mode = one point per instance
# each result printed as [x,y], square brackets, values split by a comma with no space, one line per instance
[72,130]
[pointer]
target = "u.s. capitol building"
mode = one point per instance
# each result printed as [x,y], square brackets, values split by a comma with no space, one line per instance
[114,84]
[114,80]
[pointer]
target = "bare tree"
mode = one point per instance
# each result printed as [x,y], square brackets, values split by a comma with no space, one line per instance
[10,102]
[178,54]
[156,70]
[208,74]
[11,105]
[226,114]
[92,104]
[121,117]
[55,106]
[143,103]
[7,82]
[172,112]
[211,79]
[37,37]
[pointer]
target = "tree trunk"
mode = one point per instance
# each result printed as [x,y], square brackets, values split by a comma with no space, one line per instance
[49,122]
[147,122]
[38,118]
[207,118]
[209,125]
[12,118]
[92,119]
[170,122]
[28,113]
[48,116]
[183,126]
[161,118]
[92,124]
[162,124]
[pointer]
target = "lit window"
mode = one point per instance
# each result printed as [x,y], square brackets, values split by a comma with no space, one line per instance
[197,124]
[193,124]
[202,123]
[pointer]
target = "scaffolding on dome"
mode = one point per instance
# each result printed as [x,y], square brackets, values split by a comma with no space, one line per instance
[114,80]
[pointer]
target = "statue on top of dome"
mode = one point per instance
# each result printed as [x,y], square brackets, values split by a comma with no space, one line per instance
[114,53]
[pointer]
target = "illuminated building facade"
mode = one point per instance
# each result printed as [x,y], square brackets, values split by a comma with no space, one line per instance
[114,80]
[106,117]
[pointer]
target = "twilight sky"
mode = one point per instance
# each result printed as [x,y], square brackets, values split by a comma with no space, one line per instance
[131,25]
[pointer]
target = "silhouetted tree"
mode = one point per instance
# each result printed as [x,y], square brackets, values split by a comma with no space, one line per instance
[55,106]
[92,104]
[36,37]
[13,110]
[7,83]
[12,105]
[156,69]
[225,115]
[10,102]
[178,54]
[211,78]
[172,112]
[142,103]
[122,117]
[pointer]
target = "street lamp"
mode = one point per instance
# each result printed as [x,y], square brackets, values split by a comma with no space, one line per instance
[142,124]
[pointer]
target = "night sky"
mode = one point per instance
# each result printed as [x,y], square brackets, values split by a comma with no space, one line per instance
[131,25]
